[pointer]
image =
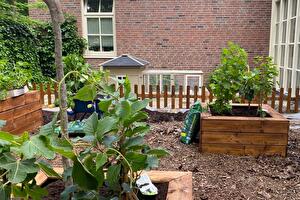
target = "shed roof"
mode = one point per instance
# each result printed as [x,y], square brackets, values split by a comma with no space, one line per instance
[125,60]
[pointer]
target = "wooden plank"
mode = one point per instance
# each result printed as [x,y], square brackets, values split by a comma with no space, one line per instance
[203,94]
[29,108]
[297,100]
[32,96]
[157,96]
[11,103]
[42,93]
[244,138]
[136,90]
[281,100]
[273,98]
[49,93]
[244,126]
[237,149]
[7,115]
[121,91]
[143,92]
[173,97]
[150,95]
[288,105]
[188,97]
[165,96]
[180,96]
[195,93]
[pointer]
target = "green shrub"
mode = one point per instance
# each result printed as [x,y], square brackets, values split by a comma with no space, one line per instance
[225,81]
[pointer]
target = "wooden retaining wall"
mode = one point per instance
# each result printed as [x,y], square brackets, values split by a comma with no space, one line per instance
[22,113]
[245,135]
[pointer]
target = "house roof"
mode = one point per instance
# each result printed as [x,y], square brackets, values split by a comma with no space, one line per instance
[125,60]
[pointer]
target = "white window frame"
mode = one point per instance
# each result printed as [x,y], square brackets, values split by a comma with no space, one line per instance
[287,44]
[85,15]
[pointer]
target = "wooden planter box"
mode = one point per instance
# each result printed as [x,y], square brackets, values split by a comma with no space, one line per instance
[22,113]
[245,135]
[180,183]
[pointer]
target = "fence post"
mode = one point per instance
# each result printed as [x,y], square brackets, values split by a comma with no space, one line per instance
[55,90]
[187,97]
[121,91]
[49,93]
[143,92]
[180,96]
[42,93]
[165,96]
[150,96]
[157,97]
[297,101]
[136,91]
[288,106]
[173,97]
[195,93]
[273,98]
[280,100]
[34,86]
[203,94]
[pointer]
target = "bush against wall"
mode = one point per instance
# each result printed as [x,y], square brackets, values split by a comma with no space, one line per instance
[72,44]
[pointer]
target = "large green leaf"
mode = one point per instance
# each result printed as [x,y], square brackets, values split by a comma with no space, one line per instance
[101,159]
[90,127]
[87,93]
[49,128]
[36,192]
[152,161]
[113,175]
[139,105]
[127,87]
[133,141]
[36,147]
[60,146]
[82,177]
[104,105]
[7,137]
[137,161]
[106,125]
[138,116]
[123,109]
[158,152]
[108,140]
[48,170]
[17,169]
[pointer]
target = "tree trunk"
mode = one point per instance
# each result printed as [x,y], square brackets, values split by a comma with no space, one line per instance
[57,18]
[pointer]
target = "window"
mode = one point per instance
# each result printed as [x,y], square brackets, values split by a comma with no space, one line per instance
[98,28]
[285,42]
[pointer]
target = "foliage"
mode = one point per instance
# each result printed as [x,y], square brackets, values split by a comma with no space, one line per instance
[260,81]
[226,80]
[20,162]
[72,44]
[115,144]
[13,76]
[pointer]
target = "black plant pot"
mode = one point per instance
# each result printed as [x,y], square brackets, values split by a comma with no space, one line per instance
[146,197]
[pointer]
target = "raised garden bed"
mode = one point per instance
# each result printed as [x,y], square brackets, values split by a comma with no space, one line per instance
[179,184]
[245,135]
[22,113]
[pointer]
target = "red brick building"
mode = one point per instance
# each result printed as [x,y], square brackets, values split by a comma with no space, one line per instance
[170,34]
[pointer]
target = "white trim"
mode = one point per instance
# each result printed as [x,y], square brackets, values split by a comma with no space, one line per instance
[152,71]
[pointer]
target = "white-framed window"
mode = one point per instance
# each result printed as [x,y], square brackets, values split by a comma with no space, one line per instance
[285,42]
[99,28]
[173,77]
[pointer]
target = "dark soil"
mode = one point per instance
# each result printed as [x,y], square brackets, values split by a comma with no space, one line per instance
[241,111]
[55,188]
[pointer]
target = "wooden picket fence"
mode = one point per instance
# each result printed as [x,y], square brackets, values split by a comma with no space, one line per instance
[173,99]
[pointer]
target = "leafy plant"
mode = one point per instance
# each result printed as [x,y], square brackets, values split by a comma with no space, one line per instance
[226,80]
[116,151]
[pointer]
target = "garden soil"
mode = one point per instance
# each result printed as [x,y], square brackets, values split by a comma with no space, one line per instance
[225,177]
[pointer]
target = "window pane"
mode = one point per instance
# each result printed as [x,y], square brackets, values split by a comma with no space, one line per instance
[94,43]
[92,5]
[106,26]
[178,80]
[107,43]
[292,34]
[297,79]
[275,54]
[93,25]
[276,33]
[291,56]
[283,32]
[289,79]
[166,80]
[193,81]
[278,11]
[281,75]
[298,57]
[285,9]
[106,5]
[294,8]
[282,55]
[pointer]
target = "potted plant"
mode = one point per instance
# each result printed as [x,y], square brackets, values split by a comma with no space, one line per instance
[13,79]
[243,129]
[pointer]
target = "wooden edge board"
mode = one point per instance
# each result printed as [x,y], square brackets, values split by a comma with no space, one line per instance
[180,183]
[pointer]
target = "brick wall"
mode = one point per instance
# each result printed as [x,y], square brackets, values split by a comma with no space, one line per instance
[188,34]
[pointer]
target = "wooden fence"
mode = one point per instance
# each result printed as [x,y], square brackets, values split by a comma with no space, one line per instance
[180,98]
